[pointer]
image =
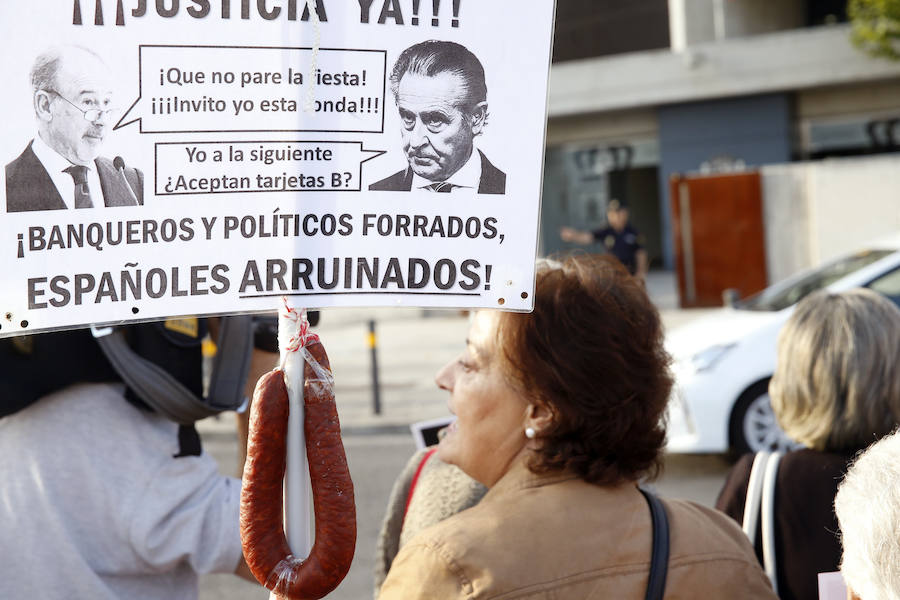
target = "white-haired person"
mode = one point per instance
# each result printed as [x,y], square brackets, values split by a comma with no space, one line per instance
[868,509]
[836,390]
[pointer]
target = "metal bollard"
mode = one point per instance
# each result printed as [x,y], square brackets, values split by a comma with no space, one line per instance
[376,389]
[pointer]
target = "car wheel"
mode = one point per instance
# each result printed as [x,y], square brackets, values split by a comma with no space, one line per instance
[753,427]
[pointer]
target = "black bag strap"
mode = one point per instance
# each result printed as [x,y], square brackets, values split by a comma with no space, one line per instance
[659,557]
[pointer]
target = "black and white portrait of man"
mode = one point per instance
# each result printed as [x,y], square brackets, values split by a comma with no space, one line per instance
[441,95]
[61,168]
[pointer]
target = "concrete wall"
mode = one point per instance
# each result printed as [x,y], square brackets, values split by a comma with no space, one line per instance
[786,219]
[851,201]
[785,60]
[836,102]
[752,17]
[697,21]
[691,22]
[815,211]
[607,127]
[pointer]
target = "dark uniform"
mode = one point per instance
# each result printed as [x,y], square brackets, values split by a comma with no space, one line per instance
[623,245]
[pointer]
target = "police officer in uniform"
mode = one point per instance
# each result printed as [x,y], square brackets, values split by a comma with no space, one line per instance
[619,238]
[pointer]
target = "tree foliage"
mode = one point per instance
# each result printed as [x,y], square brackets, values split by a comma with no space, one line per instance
[876,27]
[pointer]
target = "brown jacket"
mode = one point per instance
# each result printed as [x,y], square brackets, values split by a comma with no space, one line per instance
[557,537]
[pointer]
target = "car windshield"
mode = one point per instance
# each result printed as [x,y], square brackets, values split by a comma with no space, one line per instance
[779,297]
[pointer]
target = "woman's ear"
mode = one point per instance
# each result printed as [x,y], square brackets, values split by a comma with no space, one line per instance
[538,416]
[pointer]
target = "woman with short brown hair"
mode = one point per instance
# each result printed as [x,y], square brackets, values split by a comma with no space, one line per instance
[591,353]
[560,414]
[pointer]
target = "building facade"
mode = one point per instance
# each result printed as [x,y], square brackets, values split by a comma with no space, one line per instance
[643,90]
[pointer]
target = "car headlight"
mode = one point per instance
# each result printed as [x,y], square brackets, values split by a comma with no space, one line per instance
[707,359]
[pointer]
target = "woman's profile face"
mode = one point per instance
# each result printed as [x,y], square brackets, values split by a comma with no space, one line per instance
[491,414]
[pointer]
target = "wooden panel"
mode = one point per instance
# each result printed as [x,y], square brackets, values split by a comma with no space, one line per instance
[718,236]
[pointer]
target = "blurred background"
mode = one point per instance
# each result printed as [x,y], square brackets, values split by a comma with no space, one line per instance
[762,112]
[755,143]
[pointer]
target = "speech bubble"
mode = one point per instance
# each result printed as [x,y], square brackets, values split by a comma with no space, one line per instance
[207,89]
[267,166]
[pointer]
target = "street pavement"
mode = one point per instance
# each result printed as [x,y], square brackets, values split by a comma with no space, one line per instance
[411,345]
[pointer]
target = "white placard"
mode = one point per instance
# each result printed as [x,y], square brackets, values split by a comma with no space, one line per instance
[252,153]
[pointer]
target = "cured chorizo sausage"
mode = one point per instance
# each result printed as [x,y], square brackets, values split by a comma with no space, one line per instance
[266,549]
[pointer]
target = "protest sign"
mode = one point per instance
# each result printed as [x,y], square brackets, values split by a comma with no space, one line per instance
[368,153]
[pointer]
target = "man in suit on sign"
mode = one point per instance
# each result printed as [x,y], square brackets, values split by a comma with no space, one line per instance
[441,94]
[61,167]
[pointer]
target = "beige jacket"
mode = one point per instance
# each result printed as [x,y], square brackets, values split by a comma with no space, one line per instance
[557,537]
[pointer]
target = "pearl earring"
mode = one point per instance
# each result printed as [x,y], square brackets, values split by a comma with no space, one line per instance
[529,433]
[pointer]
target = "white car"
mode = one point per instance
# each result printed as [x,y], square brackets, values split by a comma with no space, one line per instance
[723,362]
